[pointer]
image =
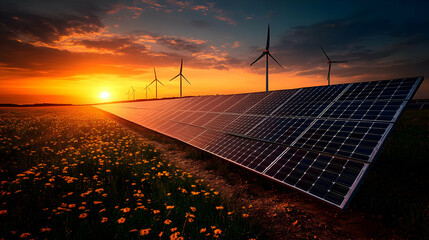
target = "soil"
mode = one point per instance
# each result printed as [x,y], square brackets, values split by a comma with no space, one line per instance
[282,212]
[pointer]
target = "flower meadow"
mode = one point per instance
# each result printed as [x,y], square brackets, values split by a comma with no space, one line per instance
[73,173]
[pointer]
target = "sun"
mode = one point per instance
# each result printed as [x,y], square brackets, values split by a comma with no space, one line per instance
[104,95]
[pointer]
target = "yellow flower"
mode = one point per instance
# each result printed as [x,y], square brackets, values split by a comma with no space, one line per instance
[144,232]
[167,222]
[83,215]
[121,220]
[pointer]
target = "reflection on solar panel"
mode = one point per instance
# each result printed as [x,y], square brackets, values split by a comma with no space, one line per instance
[319,140]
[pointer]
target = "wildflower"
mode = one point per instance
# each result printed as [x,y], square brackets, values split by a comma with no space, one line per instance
[121,220]
[25,235]
[144,232]
[125,210]
[245,215]
[160,234]
[169,207]
[72,205]
[104,219]
[46,229]
[219,208]
[173,229]
[229,213]
[83,215]
[102,210]
[203,230]
[2,212]
[294,223]
[193,209]
[217,231]
[167,222]
[156,211]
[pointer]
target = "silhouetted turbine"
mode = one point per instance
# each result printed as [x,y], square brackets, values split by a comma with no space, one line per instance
[156,81]
[330,63]
[181,75]
[267,53]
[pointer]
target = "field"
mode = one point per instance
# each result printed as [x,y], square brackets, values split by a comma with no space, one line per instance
[71,172]
[78,173]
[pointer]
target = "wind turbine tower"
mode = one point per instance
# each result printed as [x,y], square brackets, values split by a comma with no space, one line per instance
[267,53]
[146,88]
[156,81]
[181,75]
[330,63]
[134,93]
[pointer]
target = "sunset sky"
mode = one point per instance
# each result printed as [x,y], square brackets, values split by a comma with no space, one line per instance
[61,51]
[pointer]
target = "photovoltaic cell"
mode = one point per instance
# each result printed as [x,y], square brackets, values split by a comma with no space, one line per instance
[318,140]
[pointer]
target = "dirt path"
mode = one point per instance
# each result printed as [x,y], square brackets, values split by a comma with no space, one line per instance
[282,212]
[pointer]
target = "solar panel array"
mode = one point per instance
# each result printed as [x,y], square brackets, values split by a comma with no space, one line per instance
[319,140]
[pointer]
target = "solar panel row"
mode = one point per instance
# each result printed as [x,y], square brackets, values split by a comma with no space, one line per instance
[319,140]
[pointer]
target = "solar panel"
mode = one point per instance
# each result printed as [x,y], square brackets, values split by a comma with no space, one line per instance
[318,140]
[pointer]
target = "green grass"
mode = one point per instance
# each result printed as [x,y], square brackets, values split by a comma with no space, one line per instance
[396,188]
[71,172]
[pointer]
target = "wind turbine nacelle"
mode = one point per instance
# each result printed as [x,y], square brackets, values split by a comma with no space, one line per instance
[265,51]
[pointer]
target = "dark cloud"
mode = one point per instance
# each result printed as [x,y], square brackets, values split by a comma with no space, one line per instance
[116,44]
[370,45]
[47,28]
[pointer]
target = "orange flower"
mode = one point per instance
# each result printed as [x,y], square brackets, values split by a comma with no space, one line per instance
[2,212]
[83,215]
[104,219]
[193,209]
[217,231]
[125,210]
[155,211]
[219,208]
[45,229]
[169,207]
[144,232]
[203,230]
[167,222]
[245,215]
[121,220]
[25,235]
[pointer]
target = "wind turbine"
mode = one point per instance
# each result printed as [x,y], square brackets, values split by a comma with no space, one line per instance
[128,93]
[156,81]
[181,75]
[134,93]
[330,63]
[146,88]
[267,53]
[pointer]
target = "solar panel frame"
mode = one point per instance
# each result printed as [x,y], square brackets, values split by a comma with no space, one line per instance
[325,173]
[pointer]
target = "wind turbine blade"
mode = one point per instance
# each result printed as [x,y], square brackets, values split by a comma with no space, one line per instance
[160,82]
[258,58]
[152,82]
[325,54]
[175,77]
[154,71]
[186,79]
[275,60]
[268,38]
[181,65]
[339,61]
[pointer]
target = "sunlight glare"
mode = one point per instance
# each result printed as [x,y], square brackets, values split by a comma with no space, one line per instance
[104,95]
